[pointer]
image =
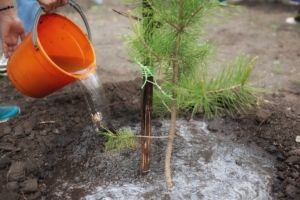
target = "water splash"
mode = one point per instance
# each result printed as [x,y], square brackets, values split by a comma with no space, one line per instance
[203,167]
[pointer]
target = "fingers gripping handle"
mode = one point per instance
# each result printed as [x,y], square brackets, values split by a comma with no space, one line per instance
[40,11]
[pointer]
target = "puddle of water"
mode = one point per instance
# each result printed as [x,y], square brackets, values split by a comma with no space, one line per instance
[203,167]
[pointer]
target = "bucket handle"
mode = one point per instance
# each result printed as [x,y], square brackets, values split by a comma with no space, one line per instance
[75,6]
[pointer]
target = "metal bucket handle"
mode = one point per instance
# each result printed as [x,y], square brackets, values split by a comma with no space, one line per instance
[75,6]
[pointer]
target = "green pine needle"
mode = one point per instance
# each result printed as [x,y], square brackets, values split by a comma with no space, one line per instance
[123,139]
[228,92]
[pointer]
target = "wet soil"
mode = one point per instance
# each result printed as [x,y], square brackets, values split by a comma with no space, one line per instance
[48,129]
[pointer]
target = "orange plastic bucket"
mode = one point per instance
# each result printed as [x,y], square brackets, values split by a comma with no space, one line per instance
[54,54]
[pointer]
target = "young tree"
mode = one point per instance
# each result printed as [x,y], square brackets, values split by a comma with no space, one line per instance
[167,44]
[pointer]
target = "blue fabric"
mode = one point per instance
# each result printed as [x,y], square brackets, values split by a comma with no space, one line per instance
[7,112]
[27,10]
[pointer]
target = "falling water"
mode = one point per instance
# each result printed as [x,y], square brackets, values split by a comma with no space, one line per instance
[95,97]
[203,167]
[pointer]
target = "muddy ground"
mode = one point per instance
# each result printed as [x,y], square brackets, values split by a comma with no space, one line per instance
[48,129]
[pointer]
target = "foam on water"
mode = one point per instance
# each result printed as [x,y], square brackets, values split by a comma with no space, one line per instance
[203,167]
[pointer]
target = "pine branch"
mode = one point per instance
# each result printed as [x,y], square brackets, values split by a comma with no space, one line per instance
[225,89]
[148,48]
[126,15]
[145,44]
[194,14]
[119,141]
[157,12]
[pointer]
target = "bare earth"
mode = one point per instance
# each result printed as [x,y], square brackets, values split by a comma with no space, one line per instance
[48,129]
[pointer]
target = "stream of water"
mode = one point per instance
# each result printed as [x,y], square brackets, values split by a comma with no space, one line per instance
[93,91]
[203,167]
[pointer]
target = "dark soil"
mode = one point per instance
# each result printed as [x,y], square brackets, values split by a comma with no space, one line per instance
[49,128]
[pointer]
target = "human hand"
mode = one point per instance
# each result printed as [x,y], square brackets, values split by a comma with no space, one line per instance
[11,28]
[49,5]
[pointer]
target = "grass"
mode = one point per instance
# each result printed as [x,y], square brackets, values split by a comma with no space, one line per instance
[277,65]
[275,27]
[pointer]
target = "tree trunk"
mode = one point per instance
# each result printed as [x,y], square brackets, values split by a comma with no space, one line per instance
[168,176]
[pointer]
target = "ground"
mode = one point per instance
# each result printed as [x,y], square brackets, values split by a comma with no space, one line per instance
[48,128]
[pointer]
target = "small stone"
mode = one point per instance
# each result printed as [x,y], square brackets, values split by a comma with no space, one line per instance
[291,191]
[43,132]
[19,132]
[213,126]
[272,149]
[27,128]
[11,140]
[56,131]
[239,163]
[280,166]
[16,172]
[71,111]
[43,188]
[4,162]
[280,176]
[298,138]
[280,158]
[77,120]
[290,181]
[7,130]
[293,159]
[34,196]
[279,194]
[295,174]
[27,131]
[263,115]
[31,136]
[29,186]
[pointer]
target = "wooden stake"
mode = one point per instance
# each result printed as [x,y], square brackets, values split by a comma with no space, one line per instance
[147,94]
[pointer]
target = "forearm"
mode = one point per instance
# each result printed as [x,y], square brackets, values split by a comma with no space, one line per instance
[4,3]
[8,13]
